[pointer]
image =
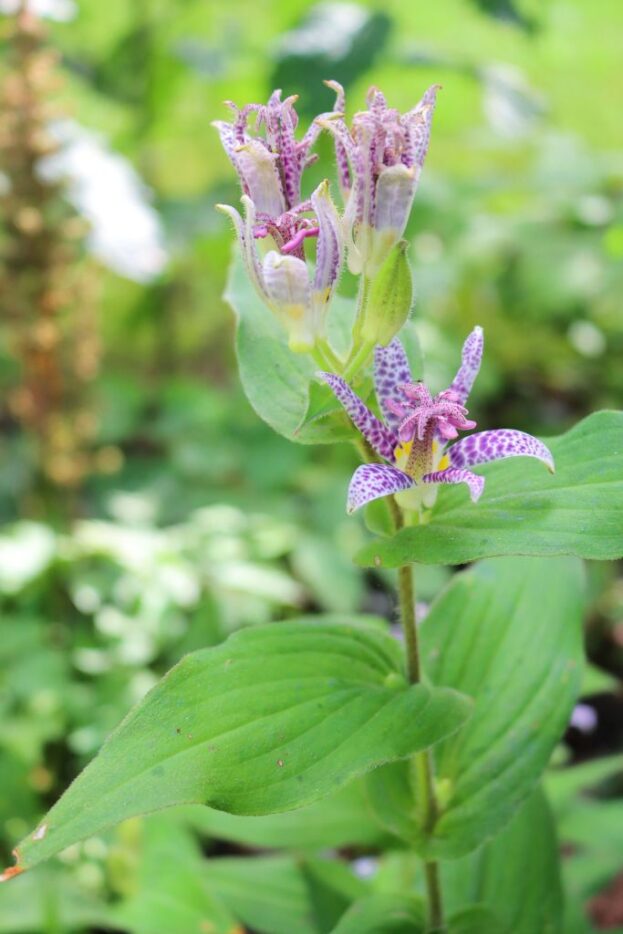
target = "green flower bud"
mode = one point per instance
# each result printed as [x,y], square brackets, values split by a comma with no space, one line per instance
[389,300]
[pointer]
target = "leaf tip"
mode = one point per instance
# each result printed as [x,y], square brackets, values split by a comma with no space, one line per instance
[12,871]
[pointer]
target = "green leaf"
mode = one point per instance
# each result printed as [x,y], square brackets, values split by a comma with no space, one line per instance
[589,817]
[382,914]
[274,718]
[524,510]
[515,877]
[507,633]
[282,895]
[171,891]
[53,900]
[275,380]
[477,919]
[340,820]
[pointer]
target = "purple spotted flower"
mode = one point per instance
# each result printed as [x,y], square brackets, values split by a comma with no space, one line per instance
[269,159]
[379,162]
[270,162]
[282,278]
[416,428]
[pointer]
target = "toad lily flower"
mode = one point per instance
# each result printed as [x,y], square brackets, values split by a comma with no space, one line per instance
[379,162]
[416,429]
[269,166]
[282,279]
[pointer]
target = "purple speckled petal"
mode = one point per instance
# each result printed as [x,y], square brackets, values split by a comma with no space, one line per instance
[496,445]
[419,121]
[391,369]
[371,481]
[330,250]
[382,440]
[341,156]
[456,475]
[470,365]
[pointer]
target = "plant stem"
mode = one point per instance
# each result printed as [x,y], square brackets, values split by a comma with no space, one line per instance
[337,365]
[358,361]
[422,761]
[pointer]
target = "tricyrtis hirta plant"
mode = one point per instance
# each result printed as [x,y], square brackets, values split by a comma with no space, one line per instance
[436,741]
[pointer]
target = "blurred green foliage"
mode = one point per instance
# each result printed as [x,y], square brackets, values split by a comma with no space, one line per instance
[201,520]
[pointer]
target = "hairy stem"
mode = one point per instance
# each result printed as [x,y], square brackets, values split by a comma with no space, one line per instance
[422,761]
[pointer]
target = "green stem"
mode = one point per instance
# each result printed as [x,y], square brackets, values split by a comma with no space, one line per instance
[336,365]
[358,361]
[319,357]
[422,761]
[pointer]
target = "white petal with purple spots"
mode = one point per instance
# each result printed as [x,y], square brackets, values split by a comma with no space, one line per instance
[391,369]
[374,431]
[470,365]
[371,481]
[496,445]
[455,475]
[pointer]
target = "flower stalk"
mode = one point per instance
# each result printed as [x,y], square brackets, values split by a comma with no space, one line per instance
[422,762]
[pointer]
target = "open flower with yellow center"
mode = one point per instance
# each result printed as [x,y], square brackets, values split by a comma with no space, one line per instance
[413,437]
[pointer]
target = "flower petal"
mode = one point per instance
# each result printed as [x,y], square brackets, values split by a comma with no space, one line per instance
[456,475]
[257,167]
[496,445]
[246,241]
[289,293]
[371,481]
[330,249]
[395,191]
[391,369]
[287,282]
[380,438]
[470,365]
[419,121]
[341,156]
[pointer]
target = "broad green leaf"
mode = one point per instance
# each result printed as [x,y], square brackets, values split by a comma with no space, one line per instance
[171,890]
[524,510]
[508,634]
[281,895]
[515,877]
[383,914]
[478,919]
[340,820]
[275,380]
[274,718]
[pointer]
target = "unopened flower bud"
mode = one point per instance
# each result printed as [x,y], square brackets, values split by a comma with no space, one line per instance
[389,301]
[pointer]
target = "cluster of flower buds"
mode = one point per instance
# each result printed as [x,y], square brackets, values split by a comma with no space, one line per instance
[379,162]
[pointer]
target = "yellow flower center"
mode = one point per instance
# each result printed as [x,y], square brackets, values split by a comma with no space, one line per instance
[402,451]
